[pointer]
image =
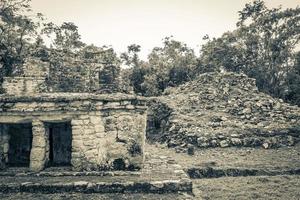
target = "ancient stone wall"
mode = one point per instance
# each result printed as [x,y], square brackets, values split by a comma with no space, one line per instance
[72,75]
[107,140]
[23,85]
[34,67]
[67,75]
[108,131]
[29,79]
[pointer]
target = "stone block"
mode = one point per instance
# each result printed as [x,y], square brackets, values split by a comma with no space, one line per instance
[99,128]
[125,103]
[224,143]
[95,120]
[89,143]
[36,165]
[100,134]
[5,147]
[37,154]
[112,104]
[91,153]
[77,143]
[236,141]
[84,117]
[130,107]
[78,122]
[86,121]
[89,131]
[77,132]
[39,141]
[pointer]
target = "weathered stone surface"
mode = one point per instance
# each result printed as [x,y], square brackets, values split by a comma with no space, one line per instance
[224,143]
[39,154]
[99,135]
[160,174]
[107,129]
[222,106]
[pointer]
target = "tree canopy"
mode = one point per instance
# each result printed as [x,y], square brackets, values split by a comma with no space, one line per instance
[264,45]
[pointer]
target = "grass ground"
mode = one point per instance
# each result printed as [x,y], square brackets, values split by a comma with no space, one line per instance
[255,187]
[258,187]
[281,158]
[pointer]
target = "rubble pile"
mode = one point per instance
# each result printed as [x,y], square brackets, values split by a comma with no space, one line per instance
[226,109]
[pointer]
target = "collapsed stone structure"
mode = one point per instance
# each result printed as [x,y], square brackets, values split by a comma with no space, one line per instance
[222,110]
[82,130]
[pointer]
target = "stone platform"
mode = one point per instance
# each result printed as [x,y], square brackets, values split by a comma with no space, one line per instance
[160,174]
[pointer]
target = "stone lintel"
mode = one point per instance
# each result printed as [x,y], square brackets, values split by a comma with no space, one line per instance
[16,119]
[69,97]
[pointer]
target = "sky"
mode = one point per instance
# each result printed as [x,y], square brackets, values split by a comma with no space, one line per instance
[120,23]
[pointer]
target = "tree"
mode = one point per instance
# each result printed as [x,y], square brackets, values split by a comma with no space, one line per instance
[64,37]
[262,46]
[170,65]
[270,39]
[105,55]
[131,58]
[222,52]
[19,36]
[138,68]
[292,90]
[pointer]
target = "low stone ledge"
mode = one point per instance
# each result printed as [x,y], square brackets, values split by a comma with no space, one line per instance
[166,186]
[67,97]
[10,188]
[70,173]
[215,172]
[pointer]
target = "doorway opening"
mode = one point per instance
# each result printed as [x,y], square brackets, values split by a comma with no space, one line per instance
[60,143]
[19,145]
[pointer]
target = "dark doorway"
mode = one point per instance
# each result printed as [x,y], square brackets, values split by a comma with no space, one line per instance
[60,142]
[20,141]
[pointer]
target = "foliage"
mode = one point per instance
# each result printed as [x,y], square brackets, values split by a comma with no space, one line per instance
[292,91]
[262,47]
[19,36]
[105,55]
[131,58]
[135,74]
[71,61]
[170,65]
[66,36]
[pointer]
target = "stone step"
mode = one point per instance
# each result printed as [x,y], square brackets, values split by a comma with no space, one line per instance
[27,173]
[157,176]
[46,186]
[96,196]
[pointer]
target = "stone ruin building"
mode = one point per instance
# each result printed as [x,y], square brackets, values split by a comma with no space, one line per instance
[85,131]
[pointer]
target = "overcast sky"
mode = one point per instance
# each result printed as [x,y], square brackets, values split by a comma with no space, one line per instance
[146,22]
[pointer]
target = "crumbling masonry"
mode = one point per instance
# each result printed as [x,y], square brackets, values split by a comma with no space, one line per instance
[82,130]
